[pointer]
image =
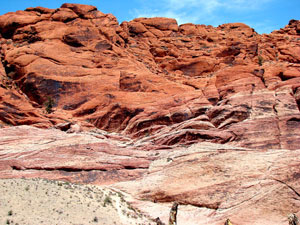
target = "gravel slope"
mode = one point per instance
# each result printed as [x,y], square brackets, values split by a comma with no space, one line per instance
[37,201]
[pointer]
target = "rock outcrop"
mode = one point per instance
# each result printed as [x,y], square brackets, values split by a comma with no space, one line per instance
[93,157]
[151,77]
[210,182]
[204,116]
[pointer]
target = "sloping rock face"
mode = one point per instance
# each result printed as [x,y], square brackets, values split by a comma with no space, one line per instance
[94,157]
[208,117]
[224,182]
[211,182]
[150,77]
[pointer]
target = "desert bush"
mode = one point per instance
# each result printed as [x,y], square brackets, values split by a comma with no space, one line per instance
[260,60]
[49,105]
[107,201]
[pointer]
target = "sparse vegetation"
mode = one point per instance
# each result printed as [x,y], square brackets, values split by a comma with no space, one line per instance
[107,201]
[10,212]
[260,60]
[83,193]
[49,105]
[95,219]
[120,195]
[169,159]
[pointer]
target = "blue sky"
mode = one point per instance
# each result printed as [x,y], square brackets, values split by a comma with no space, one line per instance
[263,15]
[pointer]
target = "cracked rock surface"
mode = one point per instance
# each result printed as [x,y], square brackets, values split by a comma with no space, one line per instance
[205,116]
[150,78]
[247,186]
[211,182]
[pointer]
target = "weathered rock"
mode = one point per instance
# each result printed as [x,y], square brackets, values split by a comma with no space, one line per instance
[229,182]
[163,89]
[159,23]
[173,214]
[69,54]
[53,154]
[228,222]
[219,181]
[64,15]
[16,109]
[80,9]
[293,219]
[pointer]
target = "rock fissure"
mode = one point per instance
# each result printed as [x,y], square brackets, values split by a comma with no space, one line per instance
[296,95]
[52,60]
[205,206]
[72,169]
[289,186]
[191,85]
[64,169]
[240,203]
[277,123]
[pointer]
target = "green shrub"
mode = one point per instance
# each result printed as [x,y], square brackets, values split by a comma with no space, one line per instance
[49,105]
[260,60]
[10,212]
[107,201]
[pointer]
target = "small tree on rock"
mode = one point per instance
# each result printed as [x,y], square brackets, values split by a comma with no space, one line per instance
[49,105]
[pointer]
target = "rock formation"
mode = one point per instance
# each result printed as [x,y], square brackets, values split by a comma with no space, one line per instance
[220,181]
[209,116]
[150,77]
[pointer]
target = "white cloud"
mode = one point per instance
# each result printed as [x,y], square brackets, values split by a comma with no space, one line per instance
[211,5]
[245,4]
[199,11]
[180,17]
[264,26]
[202,5]
[184,11]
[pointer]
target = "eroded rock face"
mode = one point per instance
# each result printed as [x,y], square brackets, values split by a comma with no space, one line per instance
[93,157]
[211,182]
[150,77]
[224,182]
[208,117]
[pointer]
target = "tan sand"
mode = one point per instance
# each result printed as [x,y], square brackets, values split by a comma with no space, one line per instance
[38,201]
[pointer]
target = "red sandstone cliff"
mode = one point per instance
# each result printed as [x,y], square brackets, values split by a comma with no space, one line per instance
[184,83]
[158,86]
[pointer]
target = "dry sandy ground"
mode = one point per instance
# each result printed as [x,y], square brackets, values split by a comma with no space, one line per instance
[38,201]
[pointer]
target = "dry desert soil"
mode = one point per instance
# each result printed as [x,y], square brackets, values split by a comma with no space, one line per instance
[39,201]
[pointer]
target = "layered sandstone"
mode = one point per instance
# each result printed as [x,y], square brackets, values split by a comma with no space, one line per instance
[206,116]
[211,182]
[151,76]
